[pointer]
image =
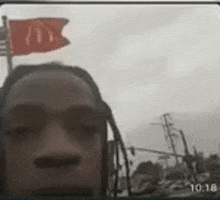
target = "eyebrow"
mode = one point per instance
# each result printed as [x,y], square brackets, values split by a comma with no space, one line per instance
[80,109]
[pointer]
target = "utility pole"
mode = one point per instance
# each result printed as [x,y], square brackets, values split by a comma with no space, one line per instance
[184,141]
[189,159]
[167,125]
[195,151]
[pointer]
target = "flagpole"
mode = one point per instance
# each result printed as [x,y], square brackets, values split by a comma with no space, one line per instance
[7,43]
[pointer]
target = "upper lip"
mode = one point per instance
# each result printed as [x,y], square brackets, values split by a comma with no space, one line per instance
[62,191]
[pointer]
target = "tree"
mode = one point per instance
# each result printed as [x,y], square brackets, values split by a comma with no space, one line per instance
[150,169]
[213,167]
[144,167]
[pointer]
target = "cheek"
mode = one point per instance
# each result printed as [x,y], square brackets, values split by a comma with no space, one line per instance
[91,168]
[17,158]
[94,155]
[19,152]
[18,172]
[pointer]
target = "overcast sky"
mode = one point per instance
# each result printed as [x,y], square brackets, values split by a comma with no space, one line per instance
[147,60]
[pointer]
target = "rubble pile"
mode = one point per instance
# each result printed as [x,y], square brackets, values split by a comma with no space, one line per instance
[144,186]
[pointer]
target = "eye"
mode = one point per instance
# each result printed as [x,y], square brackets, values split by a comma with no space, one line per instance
[19,131]
[85,129]
[89,129]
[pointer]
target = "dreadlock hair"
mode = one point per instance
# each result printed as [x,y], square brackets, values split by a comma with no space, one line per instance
[23,70]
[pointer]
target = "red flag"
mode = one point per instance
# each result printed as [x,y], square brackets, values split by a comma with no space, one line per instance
[37,35]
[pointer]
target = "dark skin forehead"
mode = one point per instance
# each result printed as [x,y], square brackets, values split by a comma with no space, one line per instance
[57,90]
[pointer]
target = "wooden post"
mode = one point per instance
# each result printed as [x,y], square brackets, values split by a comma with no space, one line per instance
[7,42]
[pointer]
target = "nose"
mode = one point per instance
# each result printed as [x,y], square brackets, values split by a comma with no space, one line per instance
[56,150]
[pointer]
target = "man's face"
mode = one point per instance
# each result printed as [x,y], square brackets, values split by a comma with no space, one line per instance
[53,142]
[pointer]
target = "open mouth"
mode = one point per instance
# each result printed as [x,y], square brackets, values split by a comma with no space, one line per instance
[63,192]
